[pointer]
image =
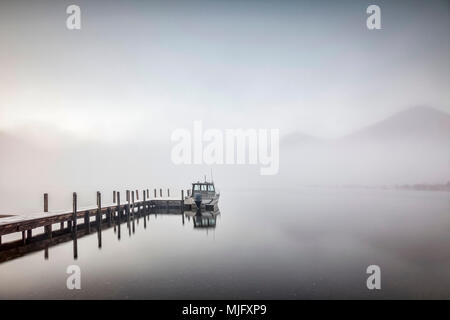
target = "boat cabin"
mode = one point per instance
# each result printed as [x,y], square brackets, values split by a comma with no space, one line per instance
[206,189]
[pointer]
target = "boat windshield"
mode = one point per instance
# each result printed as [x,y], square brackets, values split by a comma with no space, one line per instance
[203,187]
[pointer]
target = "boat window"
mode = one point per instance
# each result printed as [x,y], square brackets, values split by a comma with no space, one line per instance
[211,188]
[203,187]
[196,187]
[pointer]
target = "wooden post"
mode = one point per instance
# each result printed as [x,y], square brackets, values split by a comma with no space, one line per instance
[29,234]
[155,192]
[74,214]
[118,214]
[99,209]
[182,201]
[144,203]
[132,203]
[137,195]
[147,194]
[23,237]
[168,192]
[118,204]
[47,229]
[99,218]
[45,202]
[128,206]
[160,192]
[114,197]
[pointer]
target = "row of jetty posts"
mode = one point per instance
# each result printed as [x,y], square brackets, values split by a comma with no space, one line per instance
[114,215]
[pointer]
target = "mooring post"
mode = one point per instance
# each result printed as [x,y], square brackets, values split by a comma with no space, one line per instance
[137,195]
[118,215]
[132,203]
[47,229]
[128,205]
[182,201]
[114,197]
[99,218]
[99,209]
[118,205]
[45,202]
[144,202]
[147,194]
[155,192]
[160,192]
[168,192]
[74,213]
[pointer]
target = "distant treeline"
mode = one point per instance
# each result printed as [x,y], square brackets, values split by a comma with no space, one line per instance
[423,186]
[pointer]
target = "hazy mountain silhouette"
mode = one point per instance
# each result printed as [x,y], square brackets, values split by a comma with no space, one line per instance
[411,146]
[418,123]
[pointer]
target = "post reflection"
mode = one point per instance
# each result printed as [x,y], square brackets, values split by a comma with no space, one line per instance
[75,248]
[201,220]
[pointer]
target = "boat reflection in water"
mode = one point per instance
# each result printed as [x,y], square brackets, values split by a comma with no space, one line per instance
[204,220]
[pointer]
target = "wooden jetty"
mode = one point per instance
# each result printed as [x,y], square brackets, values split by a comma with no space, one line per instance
[69,221]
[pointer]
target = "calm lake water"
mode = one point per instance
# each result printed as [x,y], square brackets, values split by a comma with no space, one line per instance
[290,244]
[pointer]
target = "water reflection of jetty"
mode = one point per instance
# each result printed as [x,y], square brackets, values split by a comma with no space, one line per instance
[93,221]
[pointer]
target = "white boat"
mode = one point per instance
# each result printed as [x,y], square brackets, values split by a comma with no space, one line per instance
[203,195]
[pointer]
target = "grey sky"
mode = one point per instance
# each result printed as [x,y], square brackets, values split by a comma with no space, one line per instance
[147,67]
